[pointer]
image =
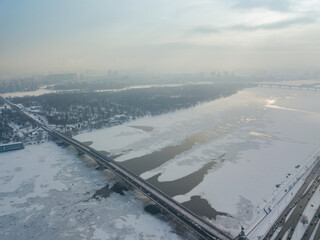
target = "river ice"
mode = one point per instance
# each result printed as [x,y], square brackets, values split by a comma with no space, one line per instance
[46,193]
[259,138]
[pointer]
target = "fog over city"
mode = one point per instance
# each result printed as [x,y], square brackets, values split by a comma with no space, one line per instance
[160,119]
[171,36]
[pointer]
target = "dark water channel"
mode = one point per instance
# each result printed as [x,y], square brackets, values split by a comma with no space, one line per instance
[180,186]
[184,185]
[150,161]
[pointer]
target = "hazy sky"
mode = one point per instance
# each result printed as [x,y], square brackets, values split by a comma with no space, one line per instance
[39,36]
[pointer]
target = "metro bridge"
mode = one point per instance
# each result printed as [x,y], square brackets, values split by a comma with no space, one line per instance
[301,87]
[198,225]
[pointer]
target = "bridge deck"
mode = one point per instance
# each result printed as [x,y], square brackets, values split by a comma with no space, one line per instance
[191,220]
[301,87]
[198,225]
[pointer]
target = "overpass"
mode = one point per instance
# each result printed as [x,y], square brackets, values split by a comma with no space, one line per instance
[198,225]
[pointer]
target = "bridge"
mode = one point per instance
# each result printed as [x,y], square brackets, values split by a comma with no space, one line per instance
[198,225]
[301,87]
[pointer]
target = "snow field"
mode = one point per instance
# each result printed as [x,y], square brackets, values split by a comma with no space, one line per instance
[46,193]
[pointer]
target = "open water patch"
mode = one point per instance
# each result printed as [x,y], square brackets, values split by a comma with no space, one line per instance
[182,185]
[150,161]
[144,128]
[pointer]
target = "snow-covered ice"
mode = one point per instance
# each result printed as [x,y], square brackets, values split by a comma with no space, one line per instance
[259,138]
[38,92]
[43,90]
[46,193]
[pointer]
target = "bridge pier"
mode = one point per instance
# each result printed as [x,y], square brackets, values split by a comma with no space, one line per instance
[80,153]
[64,144]
[59,142]
[100,166]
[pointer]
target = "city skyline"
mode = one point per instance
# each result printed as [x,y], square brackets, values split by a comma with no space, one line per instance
[167,36]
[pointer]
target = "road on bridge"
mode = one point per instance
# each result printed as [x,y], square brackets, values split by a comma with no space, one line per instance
[178,211]
[290,217]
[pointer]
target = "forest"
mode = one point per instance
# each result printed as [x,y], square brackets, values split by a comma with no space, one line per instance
[99,109]
[10,122]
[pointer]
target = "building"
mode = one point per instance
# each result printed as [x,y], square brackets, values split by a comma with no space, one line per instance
[11,146]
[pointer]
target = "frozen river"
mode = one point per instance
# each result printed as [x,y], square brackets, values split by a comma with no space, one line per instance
[47,193]
[223,159]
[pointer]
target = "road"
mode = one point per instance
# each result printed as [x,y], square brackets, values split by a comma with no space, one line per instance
[288,221]
[313,223]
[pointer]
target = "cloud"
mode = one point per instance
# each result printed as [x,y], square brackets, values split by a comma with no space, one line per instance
[274,25]
[207,29]
[275,5]
[247,28]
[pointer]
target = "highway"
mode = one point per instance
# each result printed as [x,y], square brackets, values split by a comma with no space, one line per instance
[312,227]
[204,229]
[290,217]
[317,233]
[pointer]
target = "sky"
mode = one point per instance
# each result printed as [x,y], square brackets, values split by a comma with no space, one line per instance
[173,36]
